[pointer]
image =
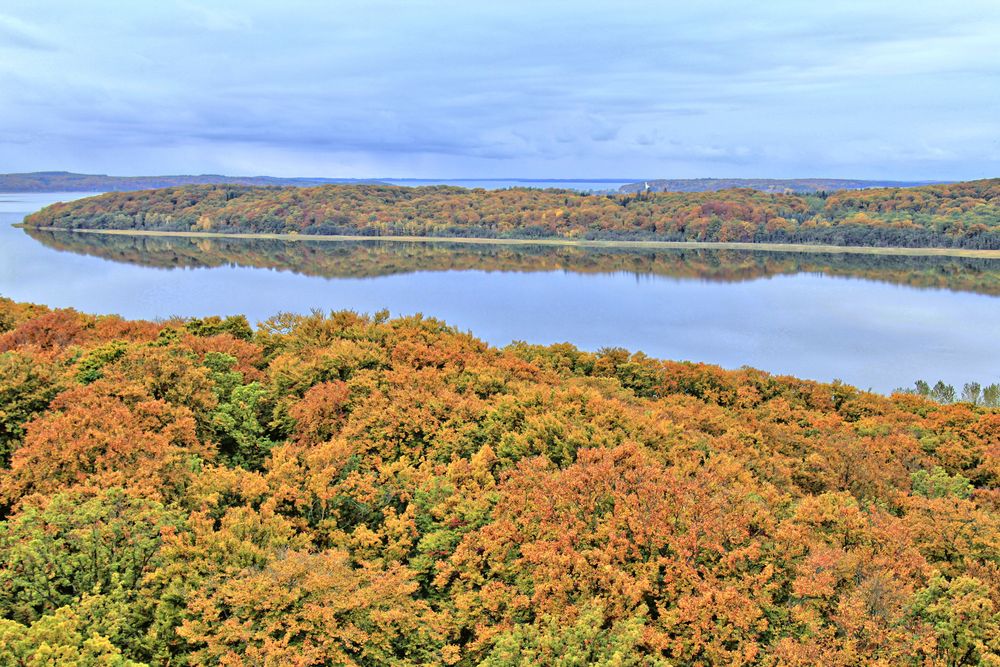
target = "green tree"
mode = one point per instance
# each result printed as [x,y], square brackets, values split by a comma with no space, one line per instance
[938,484]
[237,427]
[943,393]
[26,388]
[584,642]
[991,396]
[55,640]
[90,367]
[972,392]
[964,621]
[77,548]
[236,325]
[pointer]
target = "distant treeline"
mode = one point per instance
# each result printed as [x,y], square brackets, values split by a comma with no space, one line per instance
[799,185]
[379,258]
[972,392]
[65,181]
[965,215]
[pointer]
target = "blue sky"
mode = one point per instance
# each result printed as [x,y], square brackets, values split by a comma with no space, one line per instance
[875,89]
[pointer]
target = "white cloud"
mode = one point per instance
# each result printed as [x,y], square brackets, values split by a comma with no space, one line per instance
[365,88]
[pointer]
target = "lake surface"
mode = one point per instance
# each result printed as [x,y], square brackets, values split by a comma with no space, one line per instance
[875,322]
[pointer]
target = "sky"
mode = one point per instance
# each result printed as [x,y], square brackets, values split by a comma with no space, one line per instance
[881,89]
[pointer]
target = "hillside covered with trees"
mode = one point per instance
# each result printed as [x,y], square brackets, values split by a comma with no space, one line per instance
[359,490]
[963,215]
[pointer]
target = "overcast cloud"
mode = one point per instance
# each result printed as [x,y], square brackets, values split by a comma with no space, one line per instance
[875,89]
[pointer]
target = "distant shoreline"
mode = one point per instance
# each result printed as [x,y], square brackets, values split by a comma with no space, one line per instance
[588,243]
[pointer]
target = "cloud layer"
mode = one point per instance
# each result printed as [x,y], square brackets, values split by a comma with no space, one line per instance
[896,89]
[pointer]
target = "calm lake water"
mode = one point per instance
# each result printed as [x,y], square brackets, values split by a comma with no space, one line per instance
[875,322]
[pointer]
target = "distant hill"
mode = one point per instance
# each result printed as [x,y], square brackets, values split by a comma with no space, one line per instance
[64,181]
[780,185]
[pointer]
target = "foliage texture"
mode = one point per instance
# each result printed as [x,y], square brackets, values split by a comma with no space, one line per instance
[342,489]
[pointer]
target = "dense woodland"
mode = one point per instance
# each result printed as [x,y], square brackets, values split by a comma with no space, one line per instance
[339,489]
[380,258]
[963,215]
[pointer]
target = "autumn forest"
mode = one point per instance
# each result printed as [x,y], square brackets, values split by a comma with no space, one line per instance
[499,334]
[342,489]
[960,215]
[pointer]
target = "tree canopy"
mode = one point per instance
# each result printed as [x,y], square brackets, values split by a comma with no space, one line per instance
[963,215]
[337,488]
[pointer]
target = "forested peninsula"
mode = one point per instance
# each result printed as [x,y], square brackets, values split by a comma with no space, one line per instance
[957,215]
[359,490]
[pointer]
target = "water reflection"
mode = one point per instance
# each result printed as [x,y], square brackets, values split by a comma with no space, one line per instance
[362,259]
